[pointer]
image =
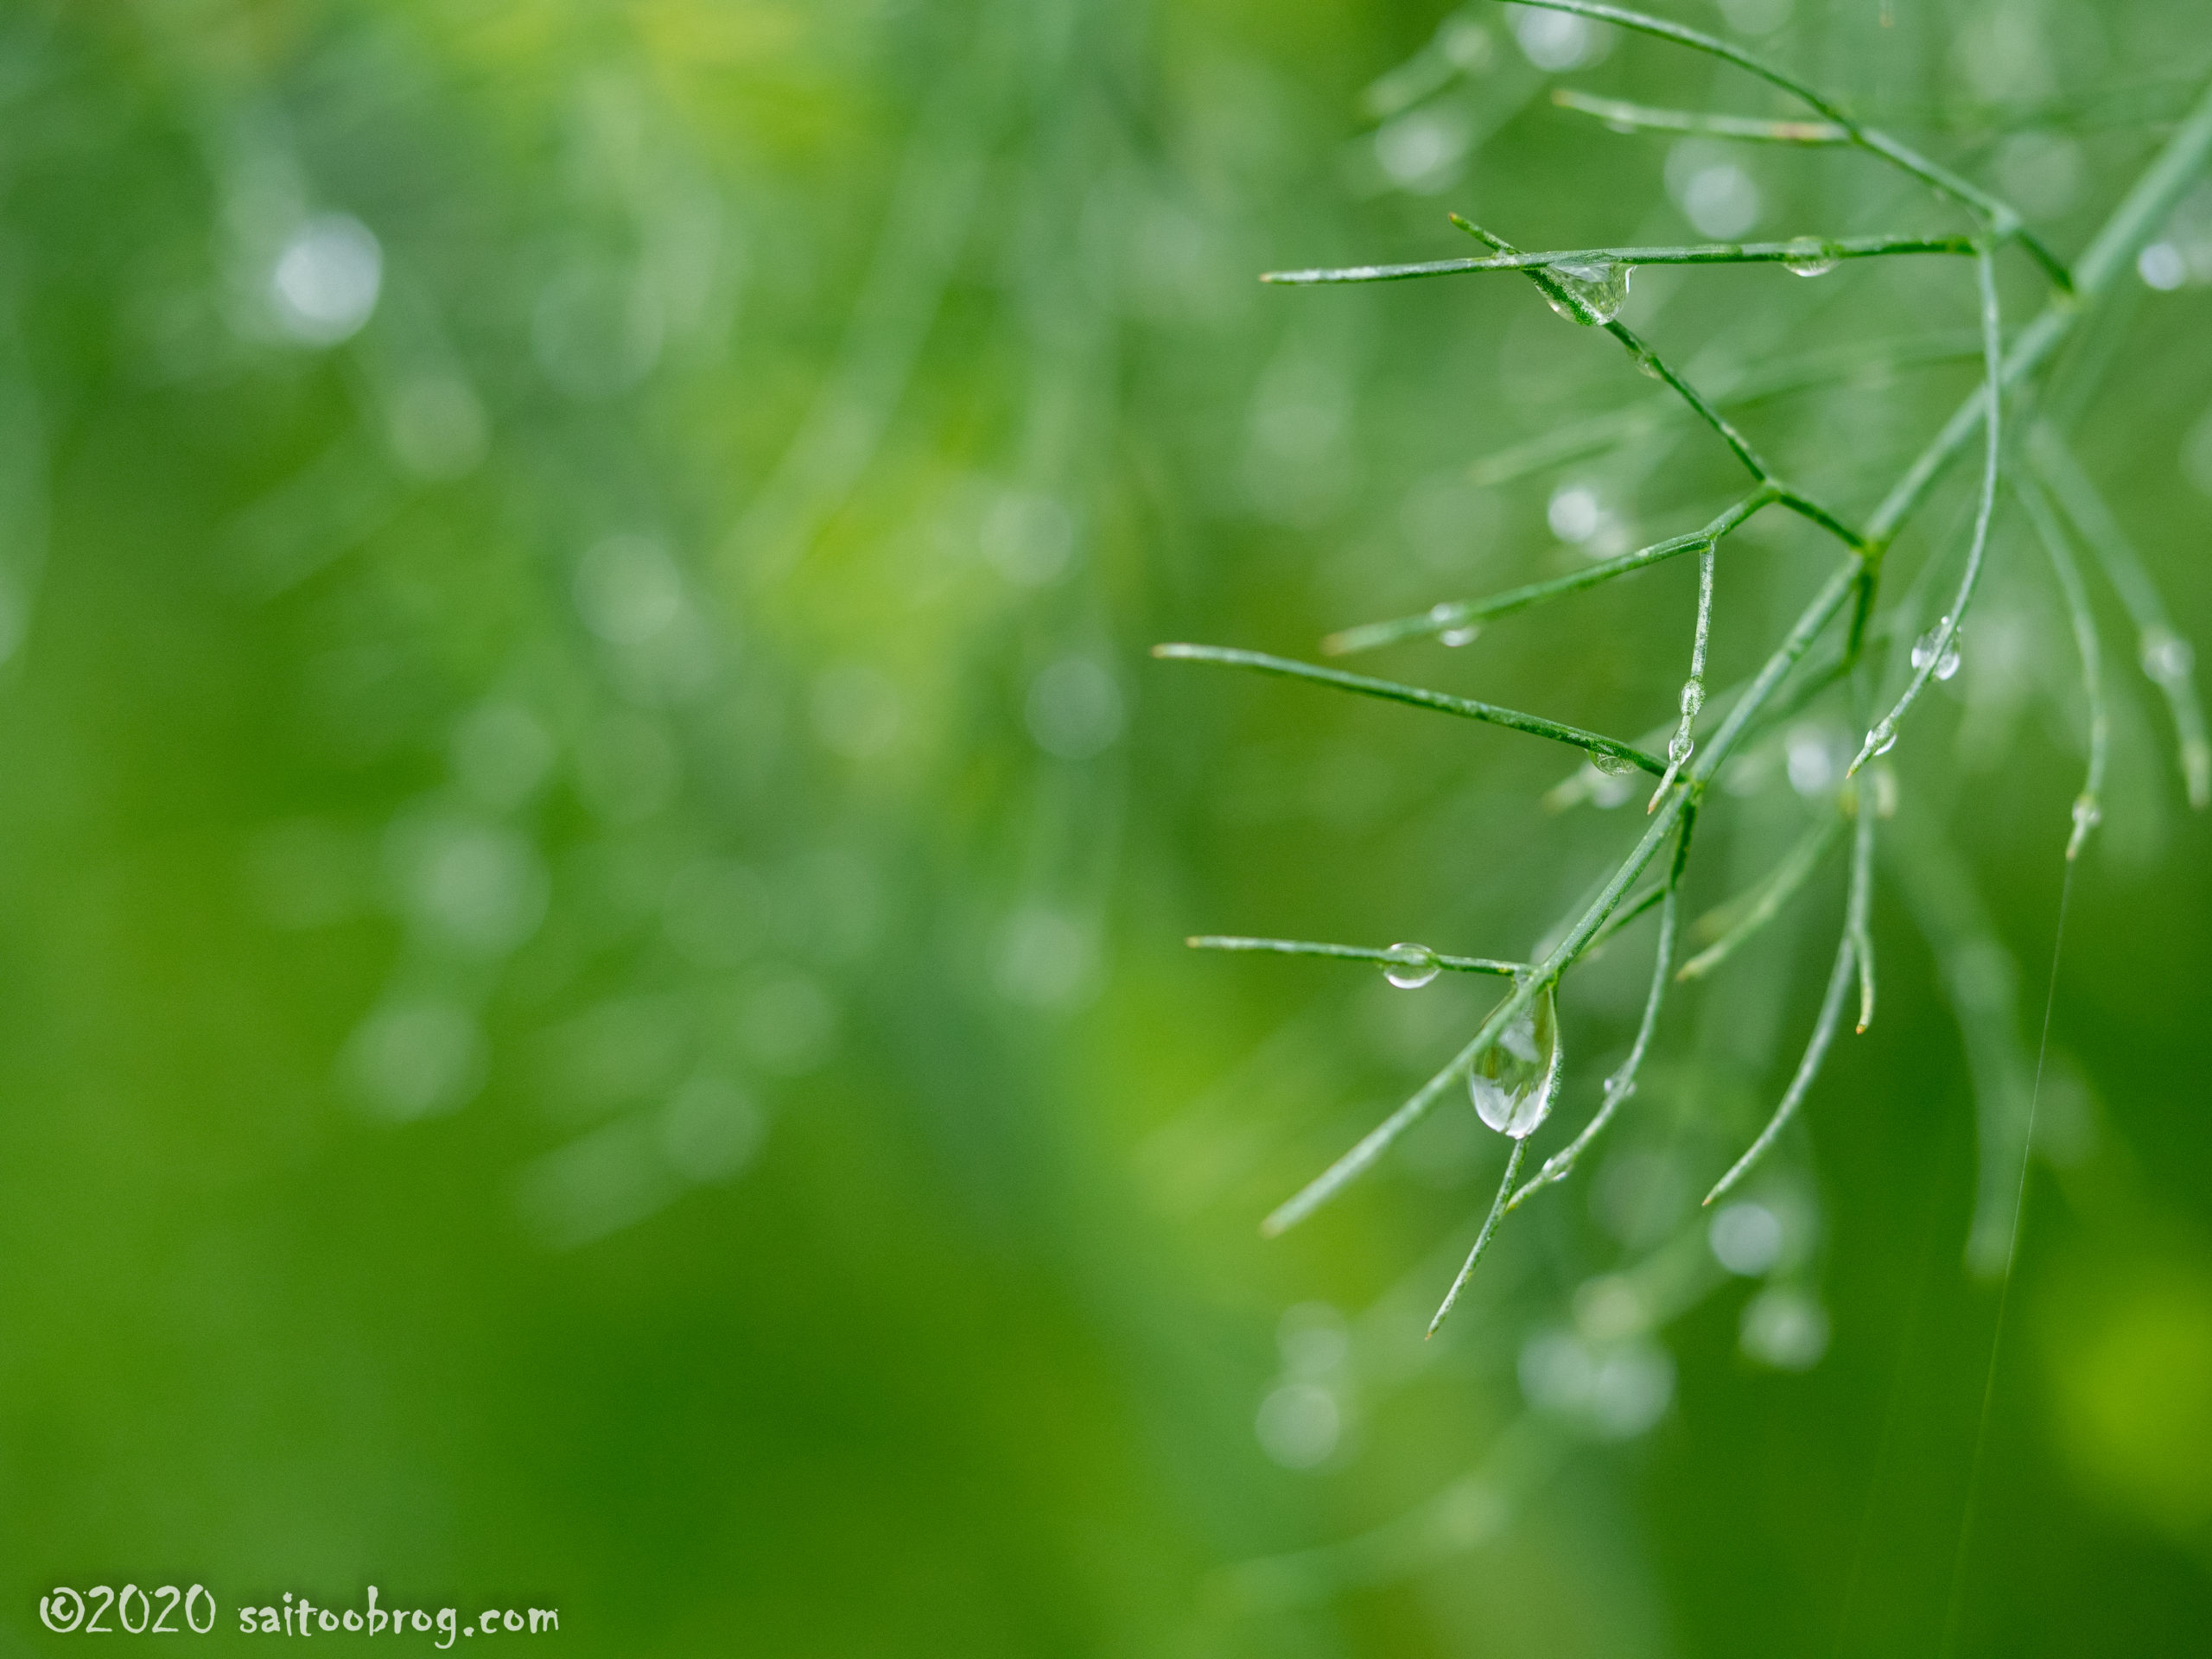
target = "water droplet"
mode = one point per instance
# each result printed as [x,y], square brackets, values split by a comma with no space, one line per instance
[1692,697]
[1410,966]
[1680,748]
[1926,648]
[1592,291]
[1882,739]
[1514,1083]
[1444,614]
[1808,256]
[1613,765]
[2166,656]
[1457,637]
[1648,366]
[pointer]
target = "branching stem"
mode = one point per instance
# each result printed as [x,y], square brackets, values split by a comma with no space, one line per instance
[1418,698]
[1392,955]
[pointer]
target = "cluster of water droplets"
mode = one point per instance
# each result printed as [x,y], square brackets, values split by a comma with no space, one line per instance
[1933,648]
[1591,291]
[1514,1081]
[1410,966]
[1807,255]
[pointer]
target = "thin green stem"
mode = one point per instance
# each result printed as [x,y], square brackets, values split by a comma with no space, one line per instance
[1497,1208]
[1452,616]
[2001,217]
[1683,743]
[2164,655]
[2087,808]
[1808,1068]
[1400,956]
[1417,697]
[1940,649]
[1765,901]
[1696,253]
[1859,907]
[1630,912]
[1626,117]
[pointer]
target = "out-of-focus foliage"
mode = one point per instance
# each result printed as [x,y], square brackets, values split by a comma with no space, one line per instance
[592,870]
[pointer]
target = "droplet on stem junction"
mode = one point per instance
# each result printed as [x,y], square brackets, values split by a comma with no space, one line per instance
[1410,966]
[1594,290]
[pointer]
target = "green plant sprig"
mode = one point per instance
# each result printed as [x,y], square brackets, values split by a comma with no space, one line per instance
[1938,649]
[2087,805]
[1855,579]
[2165,657]
[2003,221]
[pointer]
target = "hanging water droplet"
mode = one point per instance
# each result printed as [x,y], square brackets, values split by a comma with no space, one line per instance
[1457,637]
[1807,255]
[2166,656]
[1692,697]
[1679,747]
[1932,647]
[1410,966]
[1882,739]
[1648,366]
[1613,765]
[1513,1083]
[1594,290]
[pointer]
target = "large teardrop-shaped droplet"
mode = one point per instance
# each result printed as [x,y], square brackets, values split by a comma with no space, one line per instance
[1594,289]
[1514,1081]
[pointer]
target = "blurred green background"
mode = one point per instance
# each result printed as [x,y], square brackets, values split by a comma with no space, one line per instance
[591,869]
